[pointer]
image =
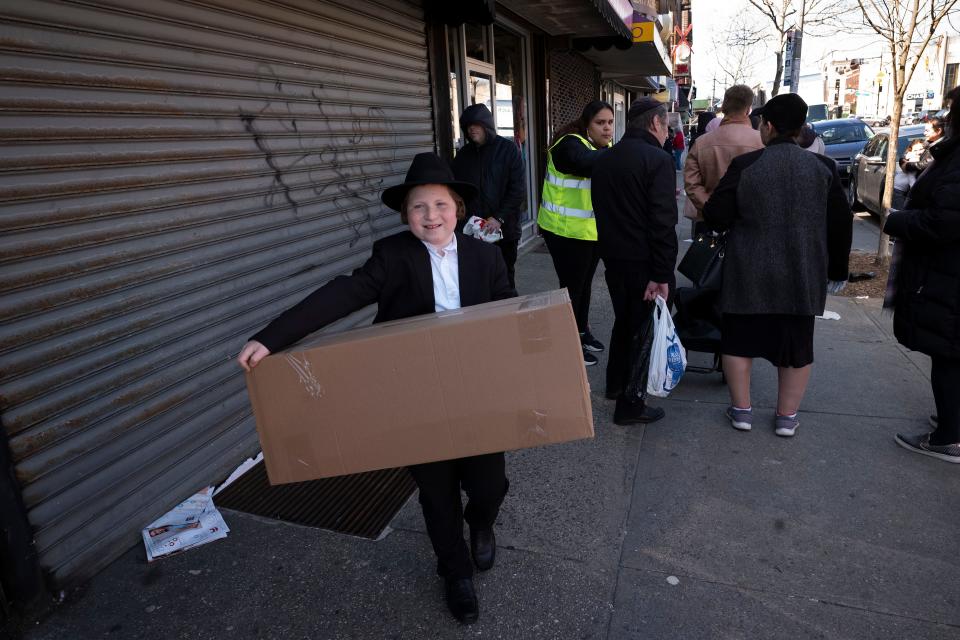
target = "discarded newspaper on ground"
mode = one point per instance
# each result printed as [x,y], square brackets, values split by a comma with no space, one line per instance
[193,522]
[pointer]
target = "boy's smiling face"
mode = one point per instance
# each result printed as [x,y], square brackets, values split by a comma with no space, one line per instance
[432,214]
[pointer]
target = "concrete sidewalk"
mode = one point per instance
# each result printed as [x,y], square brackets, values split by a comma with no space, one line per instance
[683,529]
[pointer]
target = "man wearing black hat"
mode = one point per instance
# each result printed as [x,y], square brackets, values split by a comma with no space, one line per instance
[493,164]
[424,269]
[789,232]
[634,199]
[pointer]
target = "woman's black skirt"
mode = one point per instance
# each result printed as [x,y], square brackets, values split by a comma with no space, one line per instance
[784,340]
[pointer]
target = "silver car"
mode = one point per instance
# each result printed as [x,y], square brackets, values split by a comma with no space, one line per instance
[870,167]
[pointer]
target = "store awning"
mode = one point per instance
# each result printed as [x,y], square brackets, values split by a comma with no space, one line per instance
[645,84]
[644,55]
[578,18]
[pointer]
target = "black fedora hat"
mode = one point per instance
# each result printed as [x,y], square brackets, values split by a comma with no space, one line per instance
[426,168]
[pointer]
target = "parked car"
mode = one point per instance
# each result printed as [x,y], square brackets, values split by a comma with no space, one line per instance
[843,139]
[869,168]
[817,112]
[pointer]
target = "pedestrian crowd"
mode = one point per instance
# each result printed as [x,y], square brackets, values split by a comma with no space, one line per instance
[754,179]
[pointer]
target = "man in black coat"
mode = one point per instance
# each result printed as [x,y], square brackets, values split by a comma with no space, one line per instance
[493,164]
[634,200]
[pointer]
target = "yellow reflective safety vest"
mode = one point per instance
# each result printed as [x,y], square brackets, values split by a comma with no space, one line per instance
[565,206]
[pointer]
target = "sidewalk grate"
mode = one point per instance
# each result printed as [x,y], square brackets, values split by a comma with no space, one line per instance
[361,504]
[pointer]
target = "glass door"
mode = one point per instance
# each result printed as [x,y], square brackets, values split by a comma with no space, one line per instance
[455,48]
[480,88]
[490,65]
[478,53]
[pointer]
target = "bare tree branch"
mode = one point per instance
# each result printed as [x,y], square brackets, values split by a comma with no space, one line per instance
[898,23]
[737,50]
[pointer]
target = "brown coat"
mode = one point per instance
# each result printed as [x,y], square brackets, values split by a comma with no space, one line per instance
[709,158]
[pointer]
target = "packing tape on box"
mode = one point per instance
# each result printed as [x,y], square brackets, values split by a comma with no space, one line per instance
[531,425]
[534,329]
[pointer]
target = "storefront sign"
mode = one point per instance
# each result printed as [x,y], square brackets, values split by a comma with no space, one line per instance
[788,61]
[644,31]
[682,50]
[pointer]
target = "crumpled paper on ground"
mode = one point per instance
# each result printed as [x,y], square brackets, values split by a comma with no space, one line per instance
[193,522]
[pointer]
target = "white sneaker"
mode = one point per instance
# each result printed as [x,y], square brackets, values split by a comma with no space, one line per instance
[740,419]
[786,426]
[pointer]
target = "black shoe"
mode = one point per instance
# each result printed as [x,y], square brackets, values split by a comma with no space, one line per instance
[628,413]
[921,444]
[589,343]
[589,359]
[462,600]
[483,546]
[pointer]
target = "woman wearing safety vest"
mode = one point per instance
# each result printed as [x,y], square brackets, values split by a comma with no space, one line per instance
[566,211]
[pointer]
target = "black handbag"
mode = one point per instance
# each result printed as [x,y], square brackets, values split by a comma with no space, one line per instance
[703,262]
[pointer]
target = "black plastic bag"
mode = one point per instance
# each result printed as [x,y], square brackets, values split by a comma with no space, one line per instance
[640,347]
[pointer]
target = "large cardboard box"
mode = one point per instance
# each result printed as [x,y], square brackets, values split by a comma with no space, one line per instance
[492,377]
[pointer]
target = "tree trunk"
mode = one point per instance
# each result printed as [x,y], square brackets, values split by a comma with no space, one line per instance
[779,77]
[883,250]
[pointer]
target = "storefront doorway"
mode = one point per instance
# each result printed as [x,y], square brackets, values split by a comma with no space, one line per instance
[491,65]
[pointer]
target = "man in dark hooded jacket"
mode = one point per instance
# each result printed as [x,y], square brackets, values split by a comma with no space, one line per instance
[494,165]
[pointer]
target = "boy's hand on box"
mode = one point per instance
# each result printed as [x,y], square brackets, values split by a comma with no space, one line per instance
[251,354]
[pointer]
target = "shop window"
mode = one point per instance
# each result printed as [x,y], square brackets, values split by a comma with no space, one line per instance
[512,95]
[950,77]
[511,91]
[477,40]
[480,89]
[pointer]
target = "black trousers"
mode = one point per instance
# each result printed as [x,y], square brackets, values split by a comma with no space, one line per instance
[575,262]
[945,380]
[509,250]
[484,480]
[627,283]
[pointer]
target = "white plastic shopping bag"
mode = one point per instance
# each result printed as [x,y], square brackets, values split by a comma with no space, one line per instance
[476,227]
[668,359]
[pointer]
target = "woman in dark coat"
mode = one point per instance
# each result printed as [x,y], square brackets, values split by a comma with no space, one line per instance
[425,269]
[925,285]
[790,231]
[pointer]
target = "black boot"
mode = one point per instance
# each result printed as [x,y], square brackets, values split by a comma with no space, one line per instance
[483,546]
[462,599]
[628,413]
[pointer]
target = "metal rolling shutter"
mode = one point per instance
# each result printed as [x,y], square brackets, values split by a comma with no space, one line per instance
[175,173]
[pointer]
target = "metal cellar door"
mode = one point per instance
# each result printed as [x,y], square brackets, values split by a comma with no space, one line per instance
[173,174]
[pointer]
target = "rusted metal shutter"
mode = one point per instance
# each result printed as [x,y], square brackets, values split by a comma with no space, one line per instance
[573,83]
[173,174]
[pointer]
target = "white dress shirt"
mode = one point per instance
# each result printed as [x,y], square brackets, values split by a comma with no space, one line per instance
[446,276]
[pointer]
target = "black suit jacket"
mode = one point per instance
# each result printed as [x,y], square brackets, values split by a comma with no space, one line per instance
[399,278]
